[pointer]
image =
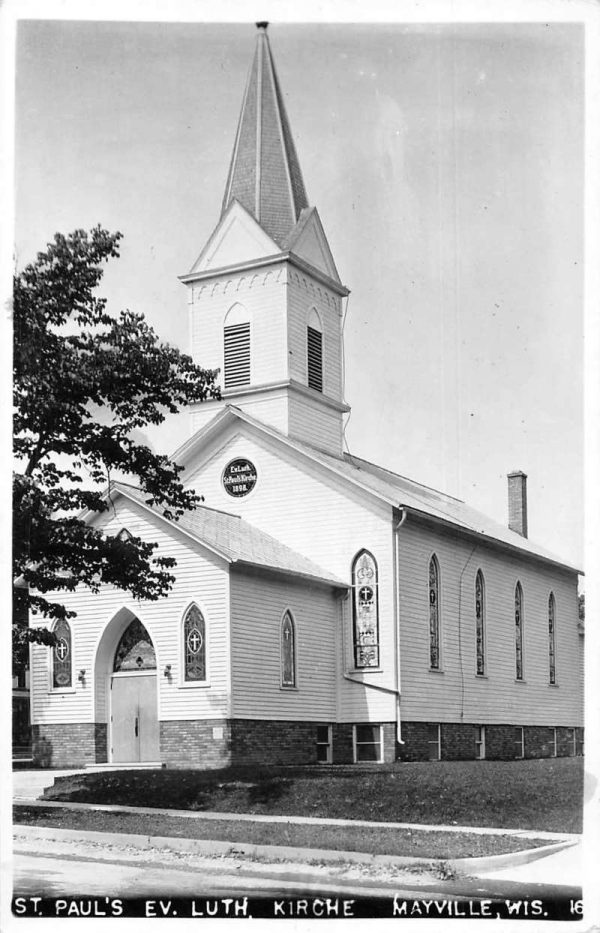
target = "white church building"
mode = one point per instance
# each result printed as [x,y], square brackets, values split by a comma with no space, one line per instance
[325,609]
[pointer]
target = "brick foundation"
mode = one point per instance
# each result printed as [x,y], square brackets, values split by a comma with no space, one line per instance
[195,743]
[539,742]
[67,745]
[458,741]
[218,743]
[277,742]
[502,742]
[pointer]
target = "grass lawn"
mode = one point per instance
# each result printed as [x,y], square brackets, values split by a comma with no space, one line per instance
[542,794]
[415,844]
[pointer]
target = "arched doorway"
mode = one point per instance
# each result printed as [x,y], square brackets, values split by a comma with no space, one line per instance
[134,734]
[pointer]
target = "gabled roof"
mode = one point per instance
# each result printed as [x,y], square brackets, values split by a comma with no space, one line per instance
[236,541]
[398,491]
[264,174]
[308,241]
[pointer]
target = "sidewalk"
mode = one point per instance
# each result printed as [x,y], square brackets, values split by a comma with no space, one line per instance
[30,783]
[559,862]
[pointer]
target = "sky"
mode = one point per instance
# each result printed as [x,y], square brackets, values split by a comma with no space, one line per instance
[446,162]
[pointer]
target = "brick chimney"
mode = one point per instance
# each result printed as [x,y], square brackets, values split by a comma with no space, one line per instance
[517,502]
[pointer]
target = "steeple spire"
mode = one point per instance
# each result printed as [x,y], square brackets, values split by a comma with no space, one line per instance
[264,174]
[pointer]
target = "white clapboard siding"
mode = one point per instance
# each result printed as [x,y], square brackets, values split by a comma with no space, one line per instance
[271,407]
[315,424]
[305,293]
[258,603]
[263,295]
[457,693]
[200,577]
[312,512]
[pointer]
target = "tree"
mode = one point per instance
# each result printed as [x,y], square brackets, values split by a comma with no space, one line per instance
[84,383]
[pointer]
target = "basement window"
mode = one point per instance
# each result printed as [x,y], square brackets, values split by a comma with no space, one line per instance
[434,740]
[480,742]
[520,742]
[324,745]
[368,742]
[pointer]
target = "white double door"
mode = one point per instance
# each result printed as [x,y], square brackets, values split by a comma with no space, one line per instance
[134,718]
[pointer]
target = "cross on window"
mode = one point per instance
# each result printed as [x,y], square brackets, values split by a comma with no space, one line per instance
[62,650]
[195,640]
[287,634]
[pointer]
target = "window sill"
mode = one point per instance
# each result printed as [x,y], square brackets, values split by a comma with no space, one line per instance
[553,685]
[191,684]
[289,689]
[436,670]
[520,680]
[58,691]
[365,670]
[482,677]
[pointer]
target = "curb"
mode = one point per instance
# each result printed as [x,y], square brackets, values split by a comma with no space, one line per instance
[287,853]
[309,820]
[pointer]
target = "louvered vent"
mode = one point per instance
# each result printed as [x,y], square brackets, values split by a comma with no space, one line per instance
[237,355]
[314,345]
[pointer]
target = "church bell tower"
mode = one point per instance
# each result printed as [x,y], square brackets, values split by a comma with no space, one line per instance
[264,295]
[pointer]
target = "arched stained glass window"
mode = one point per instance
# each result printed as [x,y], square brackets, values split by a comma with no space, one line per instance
[62,656]
[288,651]
[135,651]
[194,634]
[519,631]
[480,622]
[434,614]
[552,638]
[365,610]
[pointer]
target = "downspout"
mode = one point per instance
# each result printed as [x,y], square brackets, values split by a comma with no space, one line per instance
[397,528]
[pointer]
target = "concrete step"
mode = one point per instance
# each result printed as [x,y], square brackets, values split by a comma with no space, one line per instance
[127,766]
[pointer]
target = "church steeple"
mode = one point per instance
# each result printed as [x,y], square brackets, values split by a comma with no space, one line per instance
[265,295]
[264,174]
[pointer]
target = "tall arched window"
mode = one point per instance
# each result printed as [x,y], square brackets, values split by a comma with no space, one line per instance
[365,610]
[314,352]
[434,614]
[288,651]
[552,638]
[236,348]
[480,622]
[519,631]
[194,642]
[62,656]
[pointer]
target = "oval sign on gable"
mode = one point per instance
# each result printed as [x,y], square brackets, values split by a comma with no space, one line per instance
[239,477]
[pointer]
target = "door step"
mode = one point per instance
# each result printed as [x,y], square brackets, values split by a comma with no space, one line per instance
[127,766]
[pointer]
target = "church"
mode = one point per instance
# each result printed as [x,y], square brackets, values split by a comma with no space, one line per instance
[325,609]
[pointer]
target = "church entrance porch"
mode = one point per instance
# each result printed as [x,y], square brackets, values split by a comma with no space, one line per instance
[134,734]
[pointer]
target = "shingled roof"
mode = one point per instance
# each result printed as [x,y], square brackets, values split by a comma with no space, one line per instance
[237,541]
[264,174]
[397,490]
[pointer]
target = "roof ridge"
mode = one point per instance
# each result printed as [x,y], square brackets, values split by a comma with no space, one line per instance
[447,495]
